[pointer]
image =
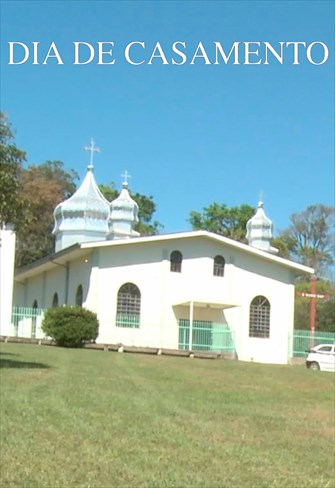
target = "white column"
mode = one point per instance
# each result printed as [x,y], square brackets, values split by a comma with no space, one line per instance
[7,260]
[191,325]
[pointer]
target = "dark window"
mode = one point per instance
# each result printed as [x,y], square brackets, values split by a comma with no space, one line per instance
[128,306]
[55,300]
[218,268]
[176,258]
[259,319]
[79,296]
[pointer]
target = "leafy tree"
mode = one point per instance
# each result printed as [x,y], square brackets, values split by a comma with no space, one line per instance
[325,308]
[109,191]
[42,187]
[147,207]
[11,159]
[325,315]
[310,237]
[218,218]
[70,326]
[284,246]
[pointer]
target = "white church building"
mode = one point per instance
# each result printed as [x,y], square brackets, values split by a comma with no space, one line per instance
[190,290]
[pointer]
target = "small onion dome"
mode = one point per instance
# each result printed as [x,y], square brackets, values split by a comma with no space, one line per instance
[83,217]
[123,215]
[259,230]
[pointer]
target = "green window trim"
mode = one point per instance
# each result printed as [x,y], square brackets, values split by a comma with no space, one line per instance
[127,321]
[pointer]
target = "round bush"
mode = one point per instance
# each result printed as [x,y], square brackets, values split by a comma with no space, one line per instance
[70,326]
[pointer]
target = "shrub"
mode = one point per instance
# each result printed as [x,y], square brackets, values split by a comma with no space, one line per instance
[70,326]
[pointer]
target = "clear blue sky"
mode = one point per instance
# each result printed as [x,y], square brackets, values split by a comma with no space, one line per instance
[189,135]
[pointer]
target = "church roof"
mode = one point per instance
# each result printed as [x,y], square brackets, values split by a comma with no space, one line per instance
[86,210]
[259,219]
[260,229]
[124,200]
[82,250]
[86,204]
[123,215]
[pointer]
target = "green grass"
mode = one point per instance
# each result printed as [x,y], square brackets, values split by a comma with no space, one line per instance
[79,418]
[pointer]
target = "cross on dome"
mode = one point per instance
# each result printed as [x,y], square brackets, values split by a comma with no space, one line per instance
[84,216]
[92,149]
[125,177]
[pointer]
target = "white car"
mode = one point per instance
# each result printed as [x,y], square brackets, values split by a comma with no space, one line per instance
[321,357]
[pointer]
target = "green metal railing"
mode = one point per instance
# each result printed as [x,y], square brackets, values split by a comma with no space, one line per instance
[128,321]
[25,320]
[206,336]
[303,341]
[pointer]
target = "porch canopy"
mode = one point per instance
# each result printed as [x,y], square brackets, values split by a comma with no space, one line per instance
[207,304]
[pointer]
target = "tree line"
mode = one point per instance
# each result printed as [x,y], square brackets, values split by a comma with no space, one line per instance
[29,194]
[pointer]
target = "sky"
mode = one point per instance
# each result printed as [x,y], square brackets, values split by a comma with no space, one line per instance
[189,134]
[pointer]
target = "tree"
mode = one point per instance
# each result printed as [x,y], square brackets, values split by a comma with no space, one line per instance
[11,160]
[42,187]
[146,208]
[109,191]
[310,237]
[325,310]
[284,246]
[218,218]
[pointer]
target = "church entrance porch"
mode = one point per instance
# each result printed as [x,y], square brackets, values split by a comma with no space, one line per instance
[203,326]
[205,335]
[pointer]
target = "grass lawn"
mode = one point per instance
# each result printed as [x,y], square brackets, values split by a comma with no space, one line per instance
[80,418]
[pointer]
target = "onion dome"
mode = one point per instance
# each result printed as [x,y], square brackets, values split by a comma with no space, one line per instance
[84,216]
[260,230]
[123,214]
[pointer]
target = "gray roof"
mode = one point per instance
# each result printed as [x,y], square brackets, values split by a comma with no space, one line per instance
[86,209]
[259,229]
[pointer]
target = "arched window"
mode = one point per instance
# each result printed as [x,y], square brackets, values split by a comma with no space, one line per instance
[79,296]
[176,258]
[55,300]
[128,306]
[218,268]
[34,318]
[259,318]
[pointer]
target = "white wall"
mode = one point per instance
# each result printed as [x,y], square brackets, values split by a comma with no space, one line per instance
[245,277]
[143,267]
[253,277]
[104,270]
[55,282]
[7,259]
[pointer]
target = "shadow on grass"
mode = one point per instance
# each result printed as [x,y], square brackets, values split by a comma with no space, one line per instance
[7,354]
[12,363]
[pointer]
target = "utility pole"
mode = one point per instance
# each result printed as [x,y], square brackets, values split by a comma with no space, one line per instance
[313,308]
